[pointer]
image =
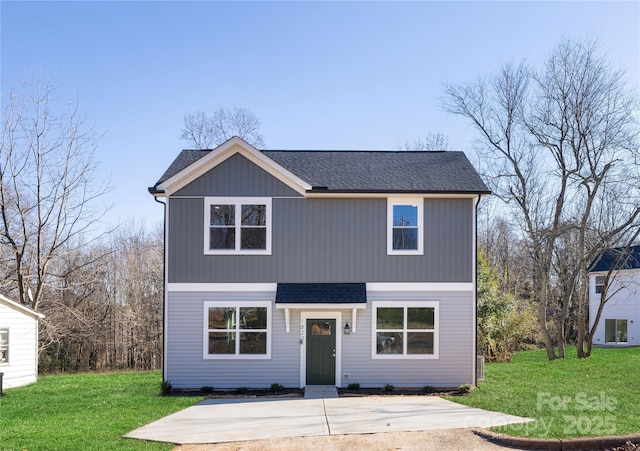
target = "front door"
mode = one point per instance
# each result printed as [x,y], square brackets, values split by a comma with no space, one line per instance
[321,352]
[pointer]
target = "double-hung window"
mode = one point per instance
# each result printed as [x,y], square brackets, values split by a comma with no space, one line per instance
[4,345]
[237,225]
[237,330]
[407,330]
[405,230]
[600,281]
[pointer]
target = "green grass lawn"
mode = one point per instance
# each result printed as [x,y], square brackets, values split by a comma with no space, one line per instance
[85,412]
[567,397]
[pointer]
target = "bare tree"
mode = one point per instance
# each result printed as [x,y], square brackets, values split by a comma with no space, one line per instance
[206,132]
[47,191]
[431,142]
[559,144]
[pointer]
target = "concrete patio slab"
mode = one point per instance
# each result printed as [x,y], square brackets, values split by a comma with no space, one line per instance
[224,420]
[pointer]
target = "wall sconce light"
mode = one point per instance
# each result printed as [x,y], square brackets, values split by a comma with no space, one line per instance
[347,328]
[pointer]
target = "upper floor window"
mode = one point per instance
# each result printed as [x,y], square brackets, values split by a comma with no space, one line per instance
[600,281]
[4,345]
[404,226]
[237,225]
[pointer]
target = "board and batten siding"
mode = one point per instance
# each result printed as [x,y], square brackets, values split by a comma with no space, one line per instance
[22,367]
[186,367]
[237,176]
[327,240]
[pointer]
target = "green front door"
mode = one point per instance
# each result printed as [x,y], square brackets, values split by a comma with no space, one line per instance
[321,352]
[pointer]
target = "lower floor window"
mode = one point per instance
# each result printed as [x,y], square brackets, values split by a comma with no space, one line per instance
[237,330]
[4,345]
[405,330]
[615,330]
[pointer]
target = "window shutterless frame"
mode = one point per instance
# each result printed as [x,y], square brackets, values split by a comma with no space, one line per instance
[401,334]
[237,225]
[600,281]
[237,330]
[405,226]
[4,345]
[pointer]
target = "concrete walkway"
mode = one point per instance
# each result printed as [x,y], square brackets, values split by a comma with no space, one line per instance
[320,391]
[225,420]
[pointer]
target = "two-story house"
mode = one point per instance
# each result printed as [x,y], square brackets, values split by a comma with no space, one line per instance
[614,277]
[319,267]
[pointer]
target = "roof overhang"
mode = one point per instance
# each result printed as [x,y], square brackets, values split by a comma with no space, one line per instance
[19,307]
[386,194]
[221,153]
[321,295]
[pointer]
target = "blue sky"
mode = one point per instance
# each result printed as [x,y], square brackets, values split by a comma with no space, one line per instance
[319,75]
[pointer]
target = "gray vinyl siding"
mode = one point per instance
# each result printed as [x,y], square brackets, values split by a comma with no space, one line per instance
[452,368]
[186,367]
[236,176]
[327,240]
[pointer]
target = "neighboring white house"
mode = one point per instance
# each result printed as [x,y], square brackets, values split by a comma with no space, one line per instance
[18,343]
[619,323]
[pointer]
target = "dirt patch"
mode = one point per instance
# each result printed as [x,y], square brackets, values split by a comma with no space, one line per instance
[446,440]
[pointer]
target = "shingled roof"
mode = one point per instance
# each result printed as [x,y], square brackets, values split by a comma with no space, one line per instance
[367,171]
[622,257]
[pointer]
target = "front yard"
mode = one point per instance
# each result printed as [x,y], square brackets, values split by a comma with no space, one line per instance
[567,397]
[85,412]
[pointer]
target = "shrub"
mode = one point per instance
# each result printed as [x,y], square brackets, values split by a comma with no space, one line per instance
[242,390]
[465,389]
[276,388]
[207,390]
[166,388]
[428,389]
[389,388]
[353,386]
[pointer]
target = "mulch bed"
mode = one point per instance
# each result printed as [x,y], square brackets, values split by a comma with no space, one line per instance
[299,392]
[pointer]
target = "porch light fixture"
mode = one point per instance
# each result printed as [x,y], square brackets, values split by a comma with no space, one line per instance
[347,328]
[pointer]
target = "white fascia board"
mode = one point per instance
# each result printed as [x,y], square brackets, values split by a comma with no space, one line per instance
[420,286]
[616,272]
[222,287]
[222,153]
[19,307]
[334,306]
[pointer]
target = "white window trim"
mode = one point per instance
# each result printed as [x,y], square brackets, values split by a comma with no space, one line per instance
[596,284]
[436,329]
[7,330]
[238,202]
[391,202]
[205,326]
[616,324]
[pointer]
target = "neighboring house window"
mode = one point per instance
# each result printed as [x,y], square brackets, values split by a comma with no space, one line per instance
[237,225]
[4,345]
[615,330]
[237,330]
[407,330]
[600,284]
[405,230]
